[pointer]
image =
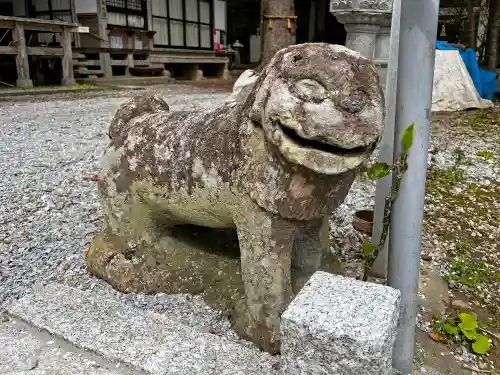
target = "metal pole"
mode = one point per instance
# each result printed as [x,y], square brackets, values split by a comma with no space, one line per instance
[419,21]
[386,153]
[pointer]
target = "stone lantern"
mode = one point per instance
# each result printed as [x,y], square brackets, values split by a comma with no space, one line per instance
[368,27]
[237,46]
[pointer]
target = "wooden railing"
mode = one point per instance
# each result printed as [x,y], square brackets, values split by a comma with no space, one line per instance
[18,26]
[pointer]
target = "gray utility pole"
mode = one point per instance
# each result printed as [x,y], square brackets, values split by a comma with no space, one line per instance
[417,46]
[386,154]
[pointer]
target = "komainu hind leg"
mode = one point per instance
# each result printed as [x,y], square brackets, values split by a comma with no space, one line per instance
[120,254]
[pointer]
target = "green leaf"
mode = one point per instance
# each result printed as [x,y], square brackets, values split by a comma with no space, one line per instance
[368,249]
[481,345]
[469,334]
[485,154]
[469,322]
[379,170]
[407,138]
[451,329]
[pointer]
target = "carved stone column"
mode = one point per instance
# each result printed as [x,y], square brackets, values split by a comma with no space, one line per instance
[361,37]
[383,46]
[367,23]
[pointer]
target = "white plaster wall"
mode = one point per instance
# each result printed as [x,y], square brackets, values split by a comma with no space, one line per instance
[255,47]
[86,6]
[220,14]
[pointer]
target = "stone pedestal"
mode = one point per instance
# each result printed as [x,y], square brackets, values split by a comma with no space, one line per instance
[24,83]
[362,38]
[367,23]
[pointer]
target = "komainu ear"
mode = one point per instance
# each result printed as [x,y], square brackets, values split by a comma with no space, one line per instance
[259,103]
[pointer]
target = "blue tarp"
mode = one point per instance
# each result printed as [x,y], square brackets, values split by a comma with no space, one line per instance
[485,81]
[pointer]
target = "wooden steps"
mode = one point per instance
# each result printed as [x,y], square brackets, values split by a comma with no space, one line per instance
[86,63]
[89,72]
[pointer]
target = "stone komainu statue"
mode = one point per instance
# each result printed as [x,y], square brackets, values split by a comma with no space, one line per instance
[274,166]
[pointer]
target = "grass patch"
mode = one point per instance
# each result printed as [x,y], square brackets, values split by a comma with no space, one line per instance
[79,86]
[463,219]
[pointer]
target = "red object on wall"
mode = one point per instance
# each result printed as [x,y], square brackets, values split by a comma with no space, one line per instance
[217,46]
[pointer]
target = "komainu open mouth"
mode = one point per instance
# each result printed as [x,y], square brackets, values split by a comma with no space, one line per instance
[321,146]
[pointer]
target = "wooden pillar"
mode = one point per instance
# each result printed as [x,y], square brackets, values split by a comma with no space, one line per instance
[105,62]
[130,56]
[104,57]
[22,62]
[130,64]
[74,19]
[67,59]
[149,11]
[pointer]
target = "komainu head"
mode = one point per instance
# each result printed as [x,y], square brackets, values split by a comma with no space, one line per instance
[321,105]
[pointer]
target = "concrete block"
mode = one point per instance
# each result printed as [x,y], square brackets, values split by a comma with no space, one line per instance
[338,325]
[199,75]
[68,81]
[24,83]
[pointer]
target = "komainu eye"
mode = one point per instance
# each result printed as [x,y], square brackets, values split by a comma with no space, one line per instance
[310,90]
[353,103]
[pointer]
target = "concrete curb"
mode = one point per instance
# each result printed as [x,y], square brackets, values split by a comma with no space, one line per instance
[9,93]
[145,341]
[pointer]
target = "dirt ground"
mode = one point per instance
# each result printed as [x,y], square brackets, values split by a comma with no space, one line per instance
[460,267]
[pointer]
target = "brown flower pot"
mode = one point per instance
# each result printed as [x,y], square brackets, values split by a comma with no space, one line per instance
[363,221]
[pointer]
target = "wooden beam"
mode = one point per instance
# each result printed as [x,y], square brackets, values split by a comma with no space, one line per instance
[67,59]
[8,50]
[45,51]
[38,51]
[119,62]
[22,62]
[36,24]
[186,59]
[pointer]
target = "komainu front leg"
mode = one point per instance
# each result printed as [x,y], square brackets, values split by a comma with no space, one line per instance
[311,242]
[266,251]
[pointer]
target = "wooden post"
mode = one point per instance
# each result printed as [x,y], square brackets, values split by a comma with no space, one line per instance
[130,55]
[130,64]
[22,62]
[104,57]
[67,60]
[74,19]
